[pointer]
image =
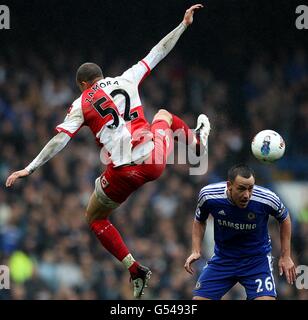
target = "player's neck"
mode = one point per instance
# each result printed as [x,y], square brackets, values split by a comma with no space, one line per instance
[230,197]
[96,79]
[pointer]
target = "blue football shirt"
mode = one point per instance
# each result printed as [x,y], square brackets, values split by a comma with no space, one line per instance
[240,232]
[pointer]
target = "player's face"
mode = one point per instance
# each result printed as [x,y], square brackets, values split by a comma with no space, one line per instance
[240,190]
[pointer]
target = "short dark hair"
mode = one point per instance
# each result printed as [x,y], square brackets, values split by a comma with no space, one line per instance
[88,72]
[240,170]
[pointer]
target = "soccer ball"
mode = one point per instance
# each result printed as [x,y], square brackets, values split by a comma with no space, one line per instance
[268,146]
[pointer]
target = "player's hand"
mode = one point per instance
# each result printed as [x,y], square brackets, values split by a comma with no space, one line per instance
[287,267]
[189,14]
[15,175]
[191,259]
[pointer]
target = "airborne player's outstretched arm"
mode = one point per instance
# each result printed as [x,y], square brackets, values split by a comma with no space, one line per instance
[66,130]
[161,50]
[55,145]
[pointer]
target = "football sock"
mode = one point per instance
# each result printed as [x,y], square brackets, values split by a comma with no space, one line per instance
[190,136]
[111,239]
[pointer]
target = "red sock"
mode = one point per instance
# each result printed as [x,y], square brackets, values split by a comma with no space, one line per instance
[178,123]
[111,239]
[133,269]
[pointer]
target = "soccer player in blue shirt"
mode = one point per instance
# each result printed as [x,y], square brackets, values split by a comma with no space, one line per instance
[240,210]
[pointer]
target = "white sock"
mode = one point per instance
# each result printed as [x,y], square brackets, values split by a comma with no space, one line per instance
[128,261]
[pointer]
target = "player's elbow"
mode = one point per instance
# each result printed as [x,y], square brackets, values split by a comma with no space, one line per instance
[61,138]
[286,221]
[199,223]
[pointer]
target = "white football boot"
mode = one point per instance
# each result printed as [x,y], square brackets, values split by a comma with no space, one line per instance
[202,132]
[140,280]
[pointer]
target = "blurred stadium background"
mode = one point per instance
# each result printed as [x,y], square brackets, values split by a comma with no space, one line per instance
[242,62]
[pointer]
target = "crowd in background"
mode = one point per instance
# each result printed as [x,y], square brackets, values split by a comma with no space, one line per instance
[44,238]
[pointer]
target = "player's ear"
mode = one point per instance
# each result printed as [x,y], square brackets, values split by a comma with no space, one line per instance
[229,185]
[83,85]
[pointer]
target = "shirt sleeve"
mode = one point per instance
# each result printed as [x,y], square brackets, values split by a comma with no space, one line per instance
[55,145]
[73,121]
[137,73]
[202,211]
[280,211]
[142,69]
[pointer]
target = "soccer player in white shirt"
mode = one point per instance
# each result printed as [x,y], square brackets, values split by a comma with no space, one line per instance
[136,150]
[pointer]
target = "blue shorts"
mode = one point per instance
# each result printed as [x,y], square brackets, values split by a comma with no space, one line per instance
[219,275]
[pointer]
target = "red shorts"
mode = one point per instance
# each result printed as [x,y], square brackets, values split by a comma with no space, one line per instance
[118,183]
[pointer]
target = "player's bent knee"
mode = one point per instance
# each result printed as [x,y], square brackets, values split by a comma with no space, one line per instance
[200,298]
[95,210]
[97,215]
[165,115]
[265,298]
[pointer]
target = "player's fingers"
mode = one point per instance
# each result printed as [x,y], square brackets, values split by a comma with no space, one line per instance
[294,273]
[188,267]
[12,178]
[286,272]
[8,181]
[193,8]
[280,271]
[290,276]
[190,270]
[196,6]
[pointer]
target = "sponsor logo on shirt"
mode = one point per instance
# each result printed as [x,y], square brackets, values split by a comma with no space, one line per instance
[237,226]
[251,216]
